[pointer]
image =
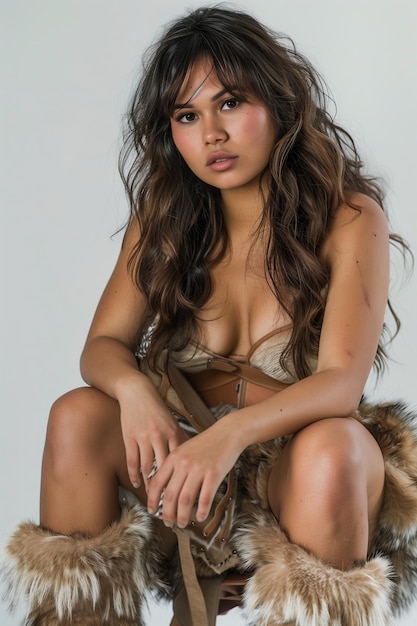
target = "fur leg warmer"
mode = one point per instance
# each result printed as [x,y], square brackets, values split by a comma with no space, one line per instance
[74,579]
[292,586]
[394,427]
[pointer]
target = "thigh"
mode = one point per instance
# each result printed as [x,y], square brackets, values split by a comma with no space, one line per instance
[329,450]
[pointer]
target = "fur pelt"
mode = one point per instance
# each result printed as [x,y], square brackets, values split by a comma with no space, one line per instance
[289,585]
[75,579]
[395,429]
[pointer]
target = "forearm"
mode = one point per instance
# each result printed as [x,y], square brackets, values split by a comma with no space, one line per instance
[109,365]
[330,393]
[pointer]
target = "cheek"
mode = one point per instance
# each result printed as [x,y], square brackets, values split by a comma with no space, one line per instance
[184,145]
[177,138]
[257,127]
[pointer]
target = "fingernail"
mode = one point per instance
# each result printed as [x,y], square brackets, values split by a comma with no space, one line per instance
[151,511]
[181,524]
[136,485]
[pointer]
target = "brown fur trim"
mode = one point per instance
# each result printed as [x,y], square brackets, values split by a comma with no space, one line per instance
[395,429]
[254,467]
[74,579]
[292,585]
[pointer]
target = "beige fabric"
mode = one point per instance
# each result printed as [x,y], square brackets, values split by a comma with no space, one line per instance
[265,355]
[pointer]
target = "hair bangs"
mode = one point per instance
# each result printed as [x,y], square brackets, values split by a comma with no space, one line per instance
[237,60]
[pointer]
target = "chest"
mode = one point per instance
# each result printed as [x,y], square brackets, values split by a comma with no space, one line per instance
[242,307]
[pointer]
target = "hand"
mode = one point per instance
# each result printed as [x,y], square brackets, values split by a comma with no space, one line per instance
[191,472]
[150,432]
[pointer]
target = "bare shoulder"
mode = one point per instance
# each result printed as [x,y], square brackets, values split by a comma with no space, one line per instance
[131,236]
[362,222]
[122,307]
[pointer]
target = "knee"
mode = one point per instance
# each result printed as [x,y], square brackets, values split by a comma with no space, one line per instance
[329,486]
[327,470]
[65,418]
[71,431]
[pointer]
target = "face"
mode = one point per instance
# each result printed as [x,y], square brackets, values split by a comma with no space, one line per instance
[225,141]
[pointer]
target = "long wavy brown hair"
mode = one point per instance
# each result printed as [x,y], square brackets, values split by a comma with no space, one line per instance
[313,168]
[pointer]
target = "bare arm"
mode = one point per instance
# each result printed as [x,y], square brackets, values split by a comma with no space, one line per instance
[357,252]
[108,363]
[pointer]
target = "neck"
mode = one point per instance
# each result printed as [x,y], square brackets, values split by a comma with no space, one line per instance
[242,209]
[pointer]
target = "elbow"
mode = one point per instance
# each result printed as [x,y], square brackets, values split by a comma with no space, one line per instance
[345,394]
[348,400]
[83,365]
[343,406]
[85,360]
[350,409]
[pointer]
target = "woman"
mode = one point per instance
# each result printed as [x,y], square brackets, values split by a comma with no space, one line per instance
[257,252]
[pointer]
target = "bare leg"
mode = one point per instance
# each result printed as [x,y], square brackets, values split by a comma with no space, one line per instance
[84,462]
[326,490]
[78,567]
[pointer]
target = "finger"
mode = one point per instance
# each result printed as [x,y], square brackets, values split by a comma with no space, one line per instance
[206,497]
[147,461]
[132,460]
[161,451]
[171,498]
[187,499]
[157,486]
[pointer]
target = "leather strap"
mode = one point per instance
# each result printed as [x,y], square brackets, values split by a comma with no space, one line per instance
[235,383]
[195,595]
[246,372]
[199,415]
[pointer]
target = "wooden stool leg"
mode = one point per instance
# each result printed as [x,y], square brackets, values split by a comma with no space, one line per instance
[231,592]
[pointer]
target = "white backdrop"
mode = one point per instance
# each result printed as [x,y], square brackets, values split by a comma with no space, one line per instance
[67,70]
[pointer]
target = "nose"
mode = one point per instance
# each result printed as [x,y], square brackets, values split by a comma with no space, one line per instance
[214,131]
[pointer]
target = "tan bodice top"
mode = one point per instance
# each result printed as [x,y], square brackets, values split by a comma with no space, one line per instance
[239,380]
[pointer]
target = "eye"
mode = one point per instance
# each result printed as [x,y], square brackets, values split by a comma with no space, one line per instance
[186,118]
[230,103]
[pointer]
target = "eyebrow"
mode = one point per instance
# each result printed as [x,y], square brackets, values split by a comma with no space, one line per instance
[188,105]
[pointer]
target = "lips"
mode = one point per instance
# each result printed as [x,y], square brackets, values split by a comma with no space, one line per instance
[220,157]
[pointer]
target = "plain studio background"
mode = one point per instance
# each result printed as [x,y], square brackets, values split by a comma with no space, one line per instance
[68,68]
